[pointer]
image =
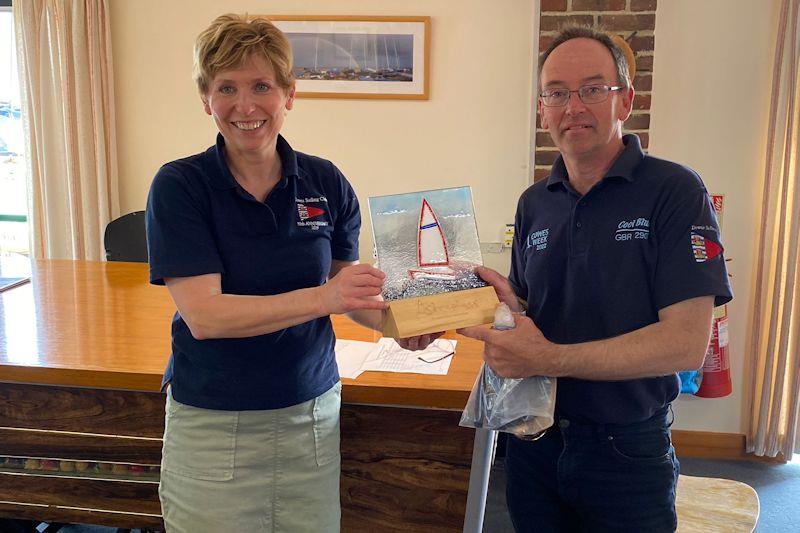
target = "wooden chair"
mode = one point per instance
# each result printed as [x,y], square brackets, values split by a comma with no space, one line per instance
[710,505]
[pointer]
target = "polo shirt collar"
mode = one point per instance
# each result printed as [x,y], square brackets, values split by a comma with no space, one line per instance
[222,178]
[628,160]
[623,167]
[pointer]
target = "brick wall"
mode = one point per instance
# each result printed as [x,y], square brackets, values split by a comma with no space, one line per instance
[633,20]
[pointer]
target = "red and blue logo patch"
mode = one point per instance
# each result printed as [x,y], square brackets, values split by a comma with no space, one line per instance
[704,249]
[305,211]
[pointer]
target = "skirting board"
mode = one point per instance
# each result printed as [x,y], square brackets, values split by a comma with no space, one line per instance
[715,446]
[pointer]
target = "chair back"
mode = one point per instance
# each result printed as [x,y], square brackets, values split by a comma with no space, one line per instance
[125,238]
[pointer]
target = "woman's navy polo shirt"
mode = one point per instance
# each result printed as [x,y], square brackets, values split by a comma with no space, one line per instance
[200,221]
[603,264]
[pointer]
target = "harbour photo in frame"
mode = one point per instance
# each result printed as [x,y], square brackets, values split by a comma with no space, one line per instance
[359,56]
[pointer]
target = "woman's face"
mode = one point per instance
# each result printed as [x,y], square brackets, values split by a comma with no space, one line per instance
[248,106]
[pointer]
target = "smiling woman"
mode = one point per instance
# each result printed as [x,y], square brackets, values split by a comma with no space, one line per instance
[248,105]
[257,245]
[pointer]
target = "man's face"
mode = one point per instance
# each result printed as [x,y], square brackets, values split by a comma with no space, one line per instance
[579,129]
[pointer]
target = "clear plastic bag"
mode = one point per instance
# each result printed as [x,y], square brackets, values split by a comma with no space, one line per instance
[522,407]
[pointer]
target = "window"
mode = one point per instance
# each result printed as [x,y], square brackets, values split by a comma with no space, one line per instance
[14,239]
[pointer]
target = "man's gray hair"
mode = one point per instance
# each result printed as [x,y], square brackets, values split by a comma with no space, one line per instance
[585,32]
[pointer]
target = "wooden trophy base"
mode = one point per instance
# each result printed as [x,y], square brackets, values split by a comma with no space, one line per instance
[440,312]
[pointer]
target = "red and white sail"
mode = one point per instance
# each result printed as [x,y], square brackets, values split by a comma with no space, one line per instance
[431,245]
[432,255]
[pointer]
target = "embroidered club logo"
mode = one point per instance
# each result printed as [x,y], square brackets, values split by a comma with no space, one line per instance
[305,211]
[537,239]
[704,249]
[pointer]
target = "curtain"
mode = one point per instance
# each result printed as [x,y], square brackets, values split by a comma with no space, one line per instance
[775,362]
[64,49]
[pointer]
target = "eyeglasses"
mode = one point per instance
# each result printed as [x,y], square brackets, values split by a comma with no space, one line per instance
[589,94]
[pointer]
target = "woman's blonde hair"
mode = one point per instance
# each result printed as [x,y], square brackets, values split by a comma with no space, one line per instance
[228,42]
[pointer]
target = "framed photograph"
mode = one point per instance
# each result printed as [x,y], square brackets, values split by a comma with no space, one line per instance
[359,56]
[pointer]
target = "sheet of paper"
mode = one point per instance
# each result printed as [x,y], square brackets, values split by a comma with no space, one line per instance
[350,356]
[390,357]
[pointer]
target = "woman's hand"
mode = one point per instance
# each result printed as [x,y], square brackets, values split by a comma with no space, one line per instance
[351,288]
[420,342]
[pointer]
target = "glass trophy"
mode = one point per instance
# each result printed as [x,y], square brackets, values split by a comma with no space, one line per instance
[427,245]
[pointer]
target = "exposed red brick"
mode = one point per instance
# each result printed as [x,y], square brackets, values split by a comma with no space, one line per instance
[641,101]
[642,44]
[538,117]
[598,5]
[638,122]
[643,82]
[643,5]
[626,22]
[644,137]
[546,157]
[543,139]
[644,63]
[544,42]
[540,173]
[554,5]
[556,22]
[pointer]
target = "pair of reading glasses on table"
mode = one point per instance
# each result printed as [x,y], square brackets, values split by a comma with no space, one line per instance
[436,357]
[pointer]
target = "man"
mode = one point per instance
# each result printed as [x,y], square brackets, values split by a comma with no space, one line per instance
[618,264]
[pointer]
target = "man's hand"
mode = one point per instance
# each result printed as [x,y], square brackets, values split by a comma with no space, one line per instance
[419,342]
[501,286]
[353,287]
[676,342]
[516,353]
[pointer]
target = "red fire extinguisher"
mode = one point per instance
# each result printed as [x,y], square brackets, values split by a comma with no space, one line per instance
[716,381]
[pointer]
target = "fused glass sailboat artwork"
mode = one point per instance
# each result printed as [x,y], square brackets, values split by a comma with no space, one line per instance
[432,255]
[426,242]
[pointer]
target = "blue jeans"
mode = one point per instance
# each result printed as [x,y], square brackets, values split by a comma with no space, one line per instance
[594,477]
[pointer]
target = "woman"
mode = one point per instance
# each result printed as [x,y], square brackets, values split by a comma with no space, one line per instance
[257,245]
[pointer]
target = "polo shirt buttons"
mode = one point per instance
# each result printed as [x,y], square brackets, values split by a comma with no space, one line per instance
[563,423]
[577,224]
[583,203]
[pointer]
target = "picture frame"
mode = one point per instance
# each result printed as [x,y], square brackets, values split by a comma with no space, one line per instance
[359,57]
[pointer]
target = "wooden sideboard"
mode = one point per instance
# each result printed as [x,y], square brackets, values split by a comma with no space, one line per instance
[82,351]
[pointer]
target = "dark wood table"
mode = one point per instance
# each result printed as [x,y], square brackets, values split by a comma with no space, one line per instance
[82,351]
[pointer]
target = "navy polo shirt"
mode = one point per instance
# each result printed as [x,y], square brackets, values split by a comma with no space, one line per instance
[200,221]
[603,264]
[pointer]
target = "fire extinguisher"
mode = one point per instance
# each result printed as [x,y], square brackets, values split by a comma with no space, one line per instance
[716,381]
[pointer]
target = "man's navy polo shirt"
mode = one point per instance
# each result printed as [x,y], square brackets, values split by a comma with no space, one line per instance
[200,221]
[603,264]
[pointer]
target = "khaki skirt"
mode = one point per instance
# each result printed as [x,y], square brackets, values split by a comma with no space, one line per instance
[251,471]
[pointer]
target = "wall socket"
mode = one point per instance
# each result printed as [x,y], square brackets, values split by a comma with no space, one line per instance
[491,247]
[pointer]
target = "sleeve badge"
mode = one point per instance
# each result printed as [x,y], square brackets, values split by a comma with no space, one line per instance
[704,249]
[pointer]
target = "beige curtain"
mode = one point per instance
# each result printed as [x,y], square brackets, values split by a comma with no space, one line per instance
[775,364]
[64,49]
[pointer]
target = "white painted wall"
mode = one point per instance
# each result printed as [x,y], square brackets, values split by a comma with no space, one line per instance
[711,86]
[474,130]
